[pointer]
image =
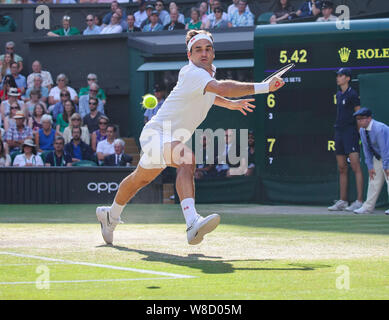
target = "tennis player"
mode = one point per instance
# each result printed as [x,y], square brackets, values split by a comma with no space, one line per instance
[163,137]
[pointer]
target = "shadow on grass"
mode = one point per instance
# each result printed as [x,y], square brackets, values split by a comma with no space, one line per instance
[214,266]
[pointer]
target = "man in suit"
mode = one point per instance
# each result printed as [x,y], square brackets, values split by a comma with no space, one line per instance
[375,142]
[119,158]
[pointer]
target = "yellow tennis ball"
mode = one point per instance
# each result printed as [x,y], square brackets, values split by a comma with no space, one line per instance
[149,101]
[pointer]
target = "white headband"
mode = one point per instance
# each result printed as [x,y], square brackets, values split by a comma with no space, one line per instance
[198,37]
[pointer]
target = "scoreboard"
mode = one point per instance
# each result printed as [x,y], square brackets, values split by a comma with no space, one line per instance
[295,131]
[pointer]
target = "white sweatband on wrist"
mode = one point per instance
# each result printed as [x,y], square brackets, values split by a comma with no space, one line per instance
[261,87]
[198,37]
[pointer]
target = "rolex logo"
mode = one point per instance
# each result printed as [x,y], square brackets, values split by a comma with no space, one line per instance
[344,54]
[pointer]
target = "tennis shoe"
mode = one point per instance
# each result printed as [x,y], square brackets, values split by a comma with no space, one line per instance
[200,227]
[108,224]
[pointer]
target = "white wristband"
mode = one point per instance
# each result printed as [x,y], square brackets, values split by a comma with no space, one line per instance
[261,87]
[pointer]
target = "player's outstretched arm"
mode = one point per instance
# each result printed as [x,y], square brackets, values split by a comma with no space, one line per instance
[234,89]
[242,105]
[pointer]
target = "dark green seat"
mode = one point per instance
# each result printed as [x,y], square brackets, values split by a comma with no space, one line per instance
[13,155]
[84,163]
[264,18]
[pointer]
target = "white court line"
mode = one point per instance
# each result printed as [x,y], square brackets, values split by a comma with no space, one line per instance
[82,281]
[172,275]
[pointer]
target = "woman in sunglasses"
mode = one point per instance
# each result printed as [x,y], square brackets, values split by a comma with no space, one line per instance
[101,133]
[76,121]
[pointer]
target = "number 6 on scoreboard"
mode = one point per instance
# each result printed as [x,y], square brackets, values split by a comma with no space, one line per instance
[271,141]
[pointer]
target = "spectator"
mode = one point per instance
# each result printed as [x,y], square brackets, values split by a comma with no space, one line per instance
[43,91]
[92,119]
[108,16]
[162,13]
[47,80]
[174,24]
[195,22]
[12,96]
[131,24]
[76,121]
[141,14]
[8,82]
[58,108]
[218,22]
[10,49]
[119,158]
[105,147]
[310,8]
[234,7]
[16,135]
[64,118]
[224,163]
[154,25]
[114,26]
[66,30]
[98,21]
[19,79]
[101,133]
[203,9]
[29,106]
[76,148]
[207,167]
[92,78]
[9,120]
[58,158]
[326,10]
[7,24]
[251,154]
[241,18]
[5,159]
[6,65]
[28,157]
[91,28]
[149,10]
[181,18]
[159,92]
[122,19]
[62,83]
[44,138]
[215,4]
[283,11]
[37,114]
[84,100]
[375,142]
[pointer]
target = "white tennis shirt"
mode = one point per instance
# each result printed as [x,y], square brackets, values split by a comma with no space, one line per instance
[187,105]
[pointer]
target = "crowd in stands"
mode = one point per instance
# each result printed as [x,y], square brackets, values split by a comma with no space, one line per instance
[43,123]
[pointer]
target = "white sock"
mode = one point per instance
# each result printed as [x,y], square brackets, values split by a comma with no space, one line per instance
[116,210]
[189,210]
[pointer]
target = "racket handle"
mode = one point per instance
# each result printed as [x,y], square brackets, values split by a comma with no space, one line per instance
[261,87]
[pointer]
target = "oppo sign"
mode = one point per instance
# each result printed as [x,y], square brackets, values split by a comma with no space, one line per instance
[103,187]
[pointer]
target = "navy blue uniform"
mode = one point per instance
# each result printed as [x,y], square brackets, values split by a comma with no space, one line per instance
[346,133]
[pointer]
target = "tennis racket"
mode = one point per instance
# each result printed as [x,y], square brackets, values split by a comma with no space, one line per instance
[280,72]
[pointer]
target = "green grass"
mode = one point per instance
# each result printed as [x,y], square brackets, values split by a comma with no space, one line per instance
[249,256]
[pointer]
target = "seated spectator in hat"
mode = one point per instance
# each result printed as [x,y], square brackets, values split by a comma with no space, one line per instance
[159,92]
[101,133]
[62,83]
[310,8]
[119,158]
[149,10]
[10,121]
[160,7]
[195,22]
[58,108]
[5,159]
[13,95]
[91,28]
[10,49]
[283,11]
[218,22]
[66,30]
[76,120]
[131,24]
[20,80]
[63,119]
[92,118]
[43,91]
[107,17]
[105,147]
[174,24]
[114,26]
[181,17]
[58,157]
[154,25]
[16,135]
[7,83]
[206,169]
[47,80]
[44,138]
[92,78]
[76,148]
[141,14]
[326,10]
[28,157]
[241,18]
[83,106]
[37,116]
[7,24]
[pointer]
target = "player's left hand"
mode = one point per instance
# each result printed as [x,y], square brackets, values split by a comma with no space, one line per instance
[242,105]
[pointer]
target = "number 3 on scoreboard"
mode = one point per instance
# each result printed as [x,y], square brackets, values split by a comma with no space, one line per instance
[271,141]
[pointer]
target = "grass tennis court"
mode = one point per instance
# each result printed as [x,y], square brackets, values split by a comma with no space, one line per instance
[258,252]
